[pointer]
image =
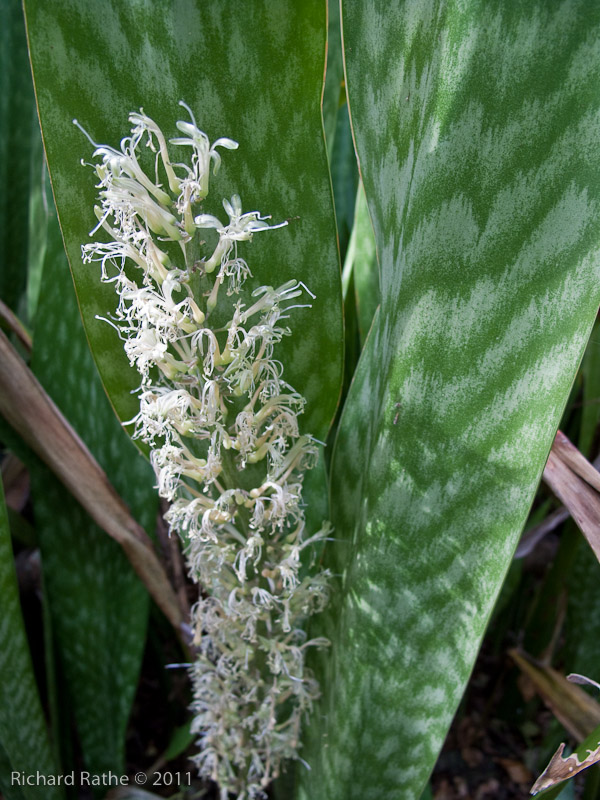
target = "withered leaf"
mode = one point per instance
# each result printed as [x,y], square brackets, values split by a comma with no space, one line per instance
[561,769]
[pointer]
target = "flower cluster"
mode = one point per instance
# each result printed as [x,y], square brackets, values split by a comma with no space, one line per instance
[223,429]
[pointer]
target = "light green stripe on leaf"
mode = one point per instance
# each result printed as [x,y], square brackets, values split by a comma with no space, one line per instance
[477,129]
[361,261]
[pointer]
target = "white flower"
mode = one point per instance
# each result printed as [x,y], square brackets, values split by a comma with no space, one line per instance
[196,181]
[226,447]
[241,228]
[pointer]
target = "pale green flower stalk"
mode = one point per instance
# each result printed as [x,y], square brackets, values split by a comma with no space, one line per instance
[225,445]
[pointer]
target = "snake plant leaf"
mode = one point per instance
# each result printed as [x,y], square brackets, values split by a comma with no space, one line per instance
[252,72]
[17,132]
[582,628]
[477,132]
[42,219]
[97,604]
[338,135]
[590,416]
[361,261]
[334,75]
[24,745]
[344,178]
[10,792]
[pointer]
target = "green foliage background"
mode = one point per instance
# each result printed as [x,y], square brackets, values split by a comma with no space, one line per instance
[470,287]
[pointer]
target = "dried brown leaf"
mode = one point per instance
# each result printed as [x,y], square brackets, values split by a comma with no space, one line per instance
[487,789]
[516,770]
[577,495]
[575,677]
[531,538]
[568,453]
[573,707]
[14,324]
[472,756]
[560,769]
[15,480]
[577,463]
[32,413]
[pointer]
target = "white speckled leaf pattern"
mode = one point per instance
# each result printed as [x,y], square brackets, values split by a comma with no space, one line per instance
[24,745]
[253,72]
[477,130]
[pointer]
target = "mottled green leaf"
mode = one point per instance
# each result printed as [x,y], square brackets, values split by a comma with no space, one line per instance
[477,130]
[97,604]
[42,216]
[334,76]
[17,116]
[24,745]
[10,792]
[254,73]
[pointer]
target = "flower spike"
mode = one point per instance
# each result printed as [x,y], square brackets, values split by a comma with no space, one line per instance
[222,425]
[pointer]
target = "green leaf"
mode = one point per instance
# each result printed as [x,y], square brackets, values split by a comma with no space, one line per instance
[590,416]
[9,791]
[253,73]
[42,217]
[580,573]
[476,126]
[98,606]
[24,745]
[181,739]
[427,793]
[361,261]
[334,76]
[344,178]
[582,648]
[17,117]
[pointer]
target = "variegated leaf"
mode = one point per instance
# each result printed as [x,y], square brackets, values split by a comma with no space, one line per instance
[334,75]
[477,129]
[17,134]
